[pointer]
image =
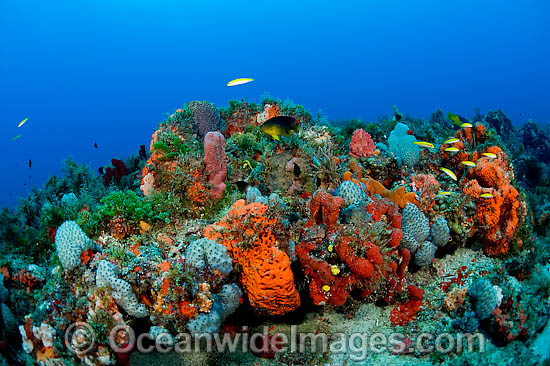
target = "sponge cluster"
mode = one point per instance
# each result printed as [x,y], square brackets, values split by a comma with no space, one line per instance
[484,297]
[440,232]
[121,290]
[401,144]
[203,252]
[351,193]
[225,303]
[70,241]
[416,232]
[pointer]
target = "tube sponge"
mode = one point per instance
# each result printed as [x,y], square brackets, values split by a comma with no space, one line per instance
[401,144]
[204,252]
[121,290]
[70,241]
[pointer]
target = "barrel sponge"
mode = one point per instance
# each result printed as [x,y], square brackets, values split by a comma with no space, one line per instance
[440,232]
[205,251]
[401,144]
[484,297]
[230,298]
[415,223]
[351,193]
[121,290]
[70,241]
[206,117]
[425,254]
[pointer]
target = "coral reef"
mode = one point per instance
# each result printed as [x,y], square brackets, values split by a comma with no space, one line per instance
[340,227]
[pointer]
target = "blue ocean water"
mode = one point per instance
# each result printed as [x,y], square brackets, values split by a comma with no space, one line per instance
[105,72]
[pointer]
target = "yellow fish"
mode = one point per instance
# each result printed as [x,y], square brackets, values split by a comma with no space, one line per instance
[468,163]
[449,173]
[247,162]
[16,137]
[22,122]
[326,288]
[451,140]
[239,81]
[454,117]
[486,195]
[335,270]
[280,126]
[451,149]
[330,248]
[466,125]
[490,155]
[424,144]
[443,193]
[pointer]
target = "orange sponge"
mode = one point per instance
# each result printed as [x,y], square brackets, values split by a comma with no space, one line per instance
[251,238]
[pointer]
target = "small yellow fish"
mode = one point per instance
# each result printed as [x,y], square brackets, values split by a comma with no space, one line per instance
[451,149]
[247,162]
[443,193]
[239,81]
[486,195]
[468,163]
[326,288]
[449,173]
[424,144]
[466,125]
[22,122]
[451,140]
[335,270]
[330,248]
[16,137]
[490,155]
